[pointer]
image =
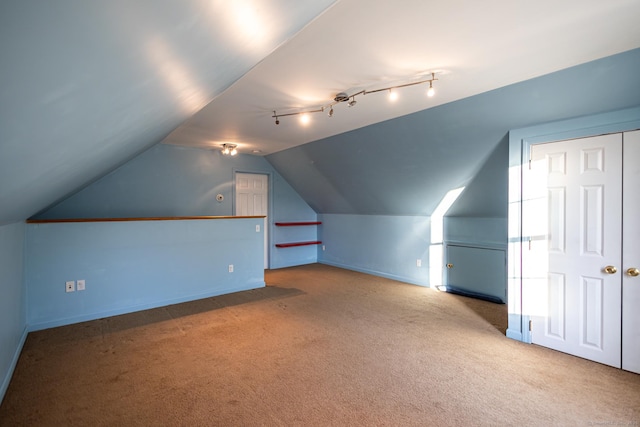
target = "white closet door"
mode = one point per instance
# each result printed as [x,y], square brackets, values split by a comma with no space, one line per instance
[578,184]
[631,253]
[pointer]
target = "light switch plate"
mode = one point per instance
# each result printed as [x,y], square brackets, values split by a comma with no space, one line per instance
[81,285]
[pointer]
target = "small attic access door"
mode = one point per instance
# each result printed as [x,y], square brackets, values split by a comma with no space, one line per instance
[252,199]
[479,272]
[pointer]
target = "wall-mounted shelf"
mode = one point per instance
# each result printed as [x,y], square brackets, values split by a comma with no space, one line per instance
[293,244]
[296,224]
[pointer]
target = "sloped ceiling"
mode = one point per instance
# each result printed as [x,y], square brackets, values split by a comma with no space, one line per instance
[87,85]
[473,46]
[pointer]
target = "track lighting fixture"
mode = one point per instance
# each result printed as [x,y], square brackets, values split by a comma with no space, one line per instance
[345,97]
[229,149]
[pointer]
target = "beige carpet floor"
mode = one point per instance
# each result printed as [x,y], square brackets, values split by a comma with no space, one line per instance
[319,346]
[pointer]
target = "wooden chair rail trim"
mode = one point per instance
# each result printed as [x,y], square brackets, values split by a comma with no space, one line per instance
[166,218]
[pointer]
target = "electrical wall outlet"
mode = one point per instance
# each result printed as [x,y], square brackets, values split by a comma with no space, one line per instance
[70,286]
[81,285]
[230,268]
[418,263]
[323,247]
[257,228]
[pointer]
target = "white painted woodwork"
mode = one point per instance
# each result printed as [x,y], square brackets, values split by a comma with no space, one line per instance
[631,253]
[574,198]
[252,198]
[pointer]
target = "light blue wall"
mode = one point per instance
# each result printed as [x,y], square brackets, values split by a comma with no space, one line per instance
[12,300]
[386,246]
[486,194]
[130,266]
[390,245]
[489,232]
[168,180]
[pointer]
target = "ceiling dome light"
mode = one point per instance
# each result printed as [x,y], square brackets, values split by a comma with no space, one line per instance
[305,119]
[229,149]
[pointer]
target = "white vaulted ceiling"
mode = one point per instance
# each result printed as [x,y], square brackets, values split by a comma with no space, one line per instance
[363,44]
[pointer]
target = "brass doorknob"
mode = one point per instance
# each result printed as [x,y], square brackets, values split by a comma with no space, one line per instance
[633,272]
[451,266]
[610,269]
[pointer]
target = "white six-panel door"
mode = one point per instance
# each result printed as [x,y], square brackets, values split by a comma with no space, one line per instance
[578,185]
[252,198]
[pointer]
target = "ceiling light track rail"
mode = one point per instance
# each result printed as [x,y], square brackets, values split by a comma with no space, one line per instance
[344,97]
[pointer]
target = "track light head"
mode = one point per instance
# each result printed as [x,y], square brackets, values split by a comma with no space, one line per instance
[431,91]
[331,112]
[353,102]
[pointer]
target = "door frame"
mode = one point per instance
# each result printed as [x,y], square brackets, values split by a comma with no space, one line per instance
[269,224]
[520,142]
